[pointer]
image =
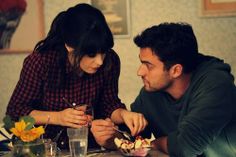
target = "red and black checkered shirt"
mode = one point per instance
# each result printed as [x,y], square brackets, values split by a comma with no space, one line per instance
[33,91]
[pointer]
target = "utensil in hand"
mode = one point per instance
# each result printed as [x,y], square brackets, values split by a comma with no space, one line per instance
[73,105]
[125,134]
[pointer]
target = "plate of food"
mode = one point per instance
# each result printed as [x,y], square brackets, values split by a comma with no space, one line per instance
[140,147]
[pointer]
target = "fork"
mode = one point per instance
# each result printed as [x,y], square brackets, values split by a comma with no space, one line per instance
[125,134]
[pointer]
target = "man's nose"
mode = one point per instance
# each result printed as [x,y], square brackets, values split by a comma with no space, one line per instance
[141,70]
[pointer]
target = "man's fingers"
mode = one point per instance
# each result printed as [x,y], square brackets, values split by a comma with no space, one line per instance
[101,128]
[136,127]
[140,124]
[130,125]
[102,122]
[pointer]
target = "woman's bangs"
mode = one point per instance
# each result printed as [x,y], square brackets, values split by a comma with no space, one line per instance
[94,45]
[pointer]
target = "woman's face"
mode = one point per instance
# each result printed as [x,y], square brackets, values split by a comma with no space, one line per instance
[91,65]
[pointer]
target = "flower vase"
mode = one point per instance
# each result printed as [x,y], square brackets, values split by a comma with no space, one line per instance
[29,149]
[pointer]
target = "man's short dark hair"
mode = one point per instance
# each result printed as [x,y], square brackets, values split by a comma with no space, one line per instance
[173,43]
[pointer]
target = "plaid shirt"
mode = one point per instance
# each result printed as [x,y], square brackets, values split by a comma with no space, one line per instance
[34,93]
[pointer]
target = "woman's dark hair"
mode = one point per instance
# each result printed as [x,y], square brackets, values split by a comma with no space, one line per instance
[173,43]
[81,27]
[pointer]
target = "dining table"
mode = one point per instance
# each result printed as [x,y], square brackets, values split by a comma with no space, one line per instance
[152,153]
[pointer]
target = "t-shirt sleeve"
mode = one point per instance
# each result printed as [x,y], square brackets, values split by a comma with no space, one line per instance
[28,89]
[209,110]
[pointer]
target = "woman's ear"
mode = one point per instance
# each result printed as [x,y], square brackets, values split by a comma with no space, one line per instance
[69,49]
[176,70]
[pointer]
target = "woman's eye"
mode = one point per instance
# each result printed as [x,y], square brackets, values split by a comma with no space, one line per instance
[92,55]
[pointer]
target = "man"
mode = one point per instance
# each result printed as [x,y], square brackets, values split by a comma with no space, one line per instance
[188,99]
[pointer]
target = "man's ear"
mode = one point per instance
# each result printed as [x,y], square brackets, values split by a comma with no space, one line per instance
[176,70]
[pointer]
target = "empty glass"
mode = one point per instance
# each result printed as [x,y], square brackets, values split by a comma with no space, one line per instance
[51,148]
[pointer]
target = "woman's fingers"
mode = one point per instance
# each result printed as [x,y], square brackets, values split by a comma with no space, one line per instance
[73,118]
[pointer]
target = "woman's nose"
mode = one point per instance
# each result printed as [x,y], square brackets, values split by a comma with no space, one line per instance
[99,59]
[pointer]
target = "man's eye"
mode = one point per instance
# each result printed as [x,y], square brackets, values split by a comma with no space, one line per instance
[149,66]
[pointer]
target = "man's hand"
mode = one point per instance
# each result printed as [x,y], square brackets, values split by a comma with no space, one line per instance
[136,122]
[103,132]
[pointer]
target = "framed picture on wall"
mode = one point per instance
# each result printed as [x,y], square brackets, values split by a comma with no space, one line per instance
[117,14]
[21,25]
[218,8]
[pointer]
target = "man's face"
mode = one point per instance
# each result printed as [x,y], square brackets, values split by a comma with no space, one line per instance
[152,72]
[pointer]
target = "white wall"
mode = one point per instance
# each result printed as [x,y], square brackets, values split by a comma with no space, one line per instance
[216,36]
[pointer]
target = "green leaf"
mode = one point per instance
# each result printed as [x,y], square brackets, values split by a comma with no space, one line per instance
[8,123]
[30,121]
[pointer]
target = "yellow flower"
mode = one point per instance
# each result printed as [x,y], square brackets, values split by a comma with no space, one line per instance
[26,135]
[31,135]
[19,128]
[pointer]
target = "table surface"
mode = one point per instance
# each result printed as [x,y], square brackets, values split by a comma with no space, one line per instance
[152,153]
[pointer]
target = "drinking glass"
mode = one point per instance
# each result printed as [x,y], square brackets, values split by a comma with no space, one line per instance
[35,148]
[78,141]
[50,148]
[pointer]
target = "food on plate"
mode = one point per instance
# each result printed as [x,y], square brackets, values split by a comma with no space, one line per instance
[139,147]
[138,143]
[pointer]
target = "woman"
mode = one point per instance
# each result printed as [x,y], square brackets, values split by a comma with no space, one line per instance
[74,63]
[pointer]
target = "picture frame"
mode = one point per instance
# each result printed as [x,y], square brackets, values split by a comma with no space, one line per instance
[117,14]
[217,8]
[29,32]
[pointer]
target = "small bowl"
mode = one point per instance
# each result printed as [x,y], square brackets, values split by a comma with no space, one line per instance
[135,152]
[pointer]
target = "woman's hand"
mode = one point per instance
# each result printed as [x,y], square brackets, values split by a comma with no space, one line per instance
[103,131]
[74,118]
[136,122]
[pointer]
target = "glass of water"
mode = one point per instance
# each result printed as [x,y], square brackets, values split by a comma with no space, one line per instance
[78,141]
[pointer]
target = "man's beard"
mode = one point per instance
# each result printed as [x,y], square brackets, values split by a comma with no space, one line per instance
[164,88]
